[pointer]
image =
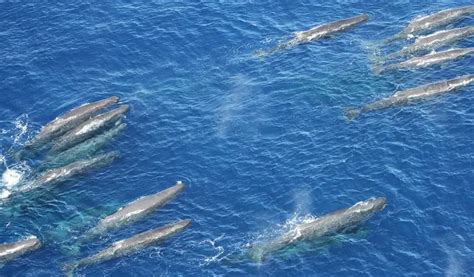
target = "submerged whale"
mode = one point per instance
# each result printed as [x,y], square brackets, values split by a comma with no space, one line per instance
[428,60]
[318,32]
[335,222]
[130,245]
[435,40]
[85,149]
[417,93]
[88,129]
[69,120]
[60,174]
[9,251]
[137,209]
[432,21]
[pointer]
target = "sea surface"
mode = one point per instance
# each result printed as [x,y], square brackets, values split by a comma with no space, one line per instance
[261,143]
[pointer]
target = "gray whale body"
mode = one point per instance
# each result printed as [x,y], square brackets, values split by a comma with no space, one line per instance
[429,59]
[316,33]
[9,251]
[328,29]
[88,129]
[434,20]
[435,40]
[69,120]
[83,150]
[409,95]
[329,224]
[130,245]
[60,174]
[136,210]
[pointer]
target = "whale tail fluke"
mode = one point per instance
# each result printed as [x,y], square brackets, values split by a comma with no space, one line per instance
[352,113]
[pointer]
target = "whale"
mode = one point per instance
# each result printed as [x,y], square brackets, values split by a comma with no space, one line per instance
[409,95]
[336,222]
[69,120]
[60,174]
[429,22]
[324,30]
[85,149]
[428,60]
[136,210]
[435,40]
[318,32]
[10,251]
[88,129]
[130,245]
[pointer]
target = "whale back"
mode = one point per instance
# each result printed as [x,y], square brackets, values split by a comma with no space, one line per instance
[10,251]
[64,123]
[140,207]
[437,19]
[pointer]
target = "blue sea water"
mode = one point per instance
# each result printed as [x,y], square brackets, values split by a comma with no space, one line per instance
[260,143]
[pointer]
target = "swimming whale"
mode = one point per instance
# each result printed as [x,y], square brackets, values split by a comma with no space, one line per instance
[136,210]
[318,32]
[60,174]
[83,150]
[9,251]
[69,120]
[130,245]
[333,223]
[435,40]
[428,60]
[88,129]
[432,21]
[328,29]
[417,93]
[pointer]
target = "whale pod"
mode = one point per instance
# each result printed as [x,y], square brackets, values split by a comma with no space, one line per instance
[130,245]
[88,129]
[69,120]
[417,93]
[435,40]
[9,251]
[84,149]
[434,20]
[429,59]
[329,224]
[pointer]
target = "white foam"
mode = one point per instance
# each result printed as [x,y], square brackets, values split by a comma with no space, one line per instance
[4,194]
[11,177]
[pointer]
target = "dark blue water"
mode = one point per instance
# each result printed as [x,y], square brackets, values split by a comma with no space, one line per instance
[259,143]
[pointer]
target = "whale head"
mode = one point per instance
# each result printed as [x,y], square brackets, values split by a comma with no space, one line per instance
[370,206]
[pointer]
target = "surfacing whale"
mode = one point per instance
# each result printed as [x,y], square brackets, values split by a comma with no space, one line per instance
[69,120]
[130,245]
[61,174]
[85,149]
[409,95]
[9,251]
[428,60]
[429,22]
[435,40]
[88,129]
[136,210]
[335,222]
[318,32]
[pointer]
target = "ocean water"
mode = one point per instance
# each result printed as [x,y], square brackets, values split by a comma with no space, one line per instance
[260,143]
